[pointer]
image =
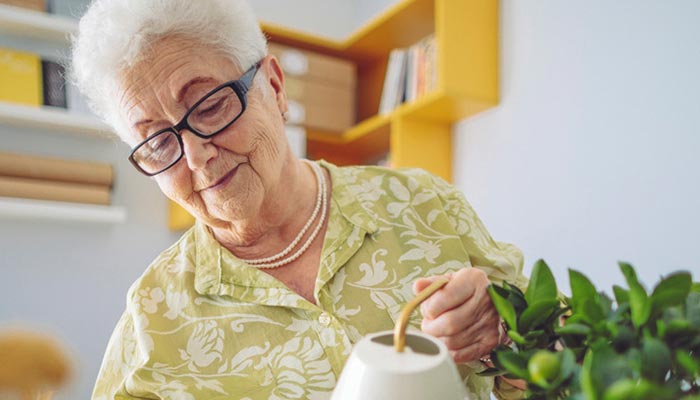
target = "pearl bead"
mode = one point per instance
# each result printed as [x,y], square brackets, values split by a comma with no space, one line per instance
[321,204]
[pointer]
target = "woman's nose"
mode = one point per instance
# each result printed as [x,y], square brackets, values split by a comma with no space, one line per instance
[198,151]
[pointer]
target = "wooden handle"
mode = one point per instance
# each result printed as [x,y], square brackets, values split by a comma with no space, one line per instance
[402,323]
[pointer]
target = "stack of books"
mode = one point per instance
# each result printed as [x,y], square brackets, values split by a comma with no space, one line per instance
[410,74]
[43,178]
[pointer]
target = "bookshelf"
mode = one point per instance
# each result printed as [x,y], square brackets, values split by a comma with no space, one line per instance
[27,23]
[26,209]
[55,30]
[418,133]
[53,119]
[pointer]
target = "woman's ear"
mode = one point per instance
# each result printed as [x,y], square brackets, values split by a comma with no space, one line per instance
[275,77]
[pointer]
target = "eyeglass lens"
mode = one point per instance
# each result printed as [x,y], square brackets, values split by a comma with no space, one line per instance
[209,117]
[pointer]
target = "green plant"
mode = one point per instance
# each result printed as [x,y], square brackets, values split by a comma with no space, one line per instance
[639,345]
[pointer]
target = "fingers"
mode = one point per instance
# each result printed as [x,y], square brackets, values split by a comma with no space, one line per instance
[460,289]
[473,352]
[475,342]
[423,283]
[461,314]
[479,310]
[485,331]
[458,319]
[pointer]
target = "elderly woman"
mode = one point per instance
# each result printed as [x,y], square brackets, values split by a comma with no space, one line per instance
[290,261]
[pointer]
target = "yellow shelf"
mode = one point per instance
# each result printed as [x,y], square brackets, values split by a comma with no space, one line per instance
[419,133]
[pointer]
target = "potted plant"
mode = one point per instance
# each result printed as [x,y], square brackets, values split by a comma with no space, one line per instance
[637,345]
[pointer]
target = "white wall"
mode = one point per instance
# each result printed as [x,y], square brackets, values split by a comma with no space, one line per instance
[331,18]
[592,155]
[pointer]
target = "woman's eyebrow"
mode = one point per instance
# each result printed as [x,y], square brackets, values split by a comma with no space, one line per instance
[196,80]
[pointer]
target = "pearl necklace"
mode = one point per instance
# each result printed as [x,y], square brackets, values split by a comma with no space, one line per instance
[321,203]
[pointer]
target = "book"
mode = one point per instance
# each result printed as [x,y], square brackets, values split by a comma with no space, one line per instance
[20,77]
[54,84]
[394,81]
[411,73]
[55,191]
[55,169]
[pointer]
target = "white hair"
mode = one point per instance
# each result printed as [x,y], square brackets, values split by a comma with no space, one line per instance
[114,34]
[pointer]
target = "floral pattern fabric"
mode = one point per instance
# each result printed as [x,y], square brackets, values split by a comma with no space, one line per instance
[202,324]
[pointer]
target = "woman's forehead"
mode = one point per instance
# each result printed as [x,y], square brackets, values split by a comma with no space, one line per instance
[173,63]
[172,71]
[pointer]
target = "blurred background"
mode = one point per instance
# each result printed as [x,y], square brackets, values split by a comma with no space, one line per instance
[591,156]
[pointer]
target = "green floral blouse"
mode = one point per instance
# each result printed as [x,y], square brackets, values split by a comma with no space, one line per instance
[202,324]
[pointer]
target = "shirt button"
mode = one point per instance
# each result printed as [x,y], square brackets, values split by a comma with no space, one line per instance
[324,319]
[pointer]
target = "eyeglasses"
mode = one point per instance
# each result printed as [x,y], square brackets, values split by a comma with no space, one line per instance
[212,114]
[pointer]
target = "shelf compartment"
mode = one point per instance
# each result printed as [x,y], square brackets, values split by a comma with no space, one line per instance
[38,25]
[364,143]
[13,208]
[52,118]
[402,25]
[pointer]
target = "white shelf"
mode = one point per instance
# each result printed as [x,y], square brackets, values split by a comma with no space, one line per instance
[52,118]
[39,25]
[11,208]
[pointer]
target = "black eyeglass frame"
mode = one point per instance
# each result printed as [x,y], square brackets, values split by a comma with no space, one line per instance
[240,86]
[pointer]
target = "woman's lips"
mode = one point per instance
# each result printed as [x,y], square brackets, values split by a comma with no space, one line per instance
[221,183]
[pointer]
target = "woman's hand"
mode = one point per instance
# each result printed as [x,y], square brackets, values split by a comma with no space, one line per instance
[461,314]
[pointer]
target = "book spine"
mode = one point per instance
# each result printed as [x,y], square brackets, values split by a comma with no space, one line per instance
[20,77]
[390,91]
[53,169]
[53,75]
[55,191]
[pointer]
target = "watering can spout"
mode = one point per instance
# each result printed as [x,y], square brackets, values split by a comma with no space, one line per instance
[402,322]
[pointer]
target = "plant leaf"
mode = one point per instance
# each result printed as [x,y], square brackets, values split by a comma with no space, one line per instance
[671,291]
[692,309]
[516,297]
[677,280]
[640,305]
[592,311]
[691,366]
[573,329]
[581,288]
[604,367]
[588,384]
[624,338]
[621,295]
[620,390]
[656,359]
[504,308]
[518,339]
[492,372]
[512,362]
[536,314]
[542,285]
[629,273]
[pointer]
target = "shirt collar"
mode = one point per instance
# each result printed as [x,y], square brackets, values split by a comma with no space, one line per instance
[217,268]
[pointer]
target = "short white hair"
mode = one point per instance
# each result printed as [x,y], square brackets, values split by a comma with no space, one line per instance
[114,34]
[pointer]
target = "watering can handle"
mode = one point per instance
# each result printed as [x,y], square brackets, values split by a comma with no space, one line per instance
[402,322]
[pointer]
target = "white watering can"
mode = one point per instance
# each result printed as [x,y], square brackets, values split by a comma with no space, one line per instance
[398,366]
